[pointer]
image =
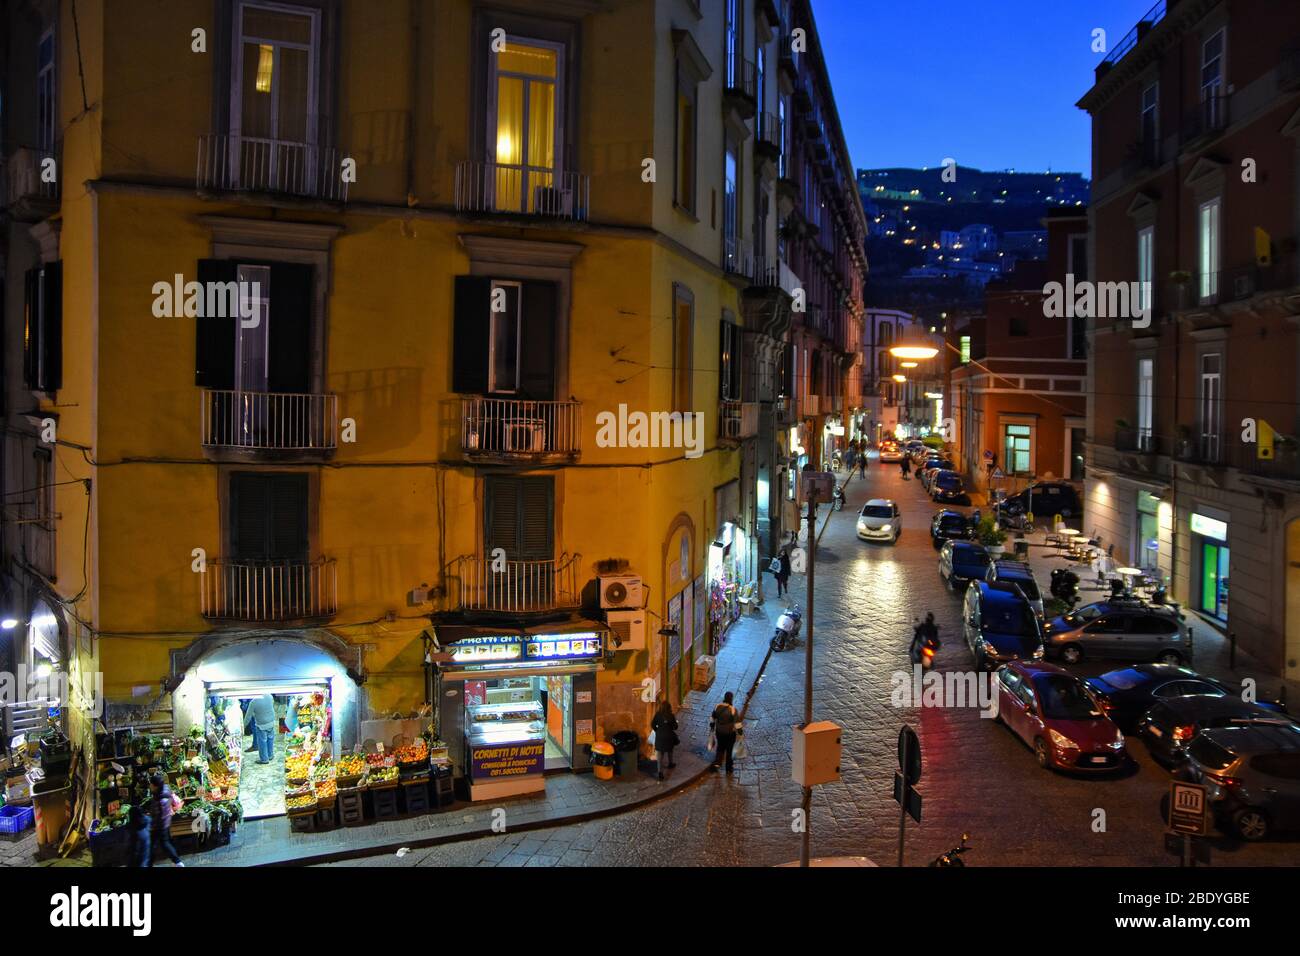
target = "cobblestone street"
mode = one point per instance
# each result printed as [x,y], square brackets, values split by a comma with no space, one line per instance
[977,776]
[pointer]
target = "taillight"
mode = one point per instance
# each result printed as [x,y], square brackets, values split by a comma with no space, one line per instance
[928,652]
[1223,780]
[1185,733]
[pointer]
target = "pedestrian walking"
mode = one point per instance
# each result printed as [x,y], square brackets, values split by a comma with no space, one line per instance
[141,848]
[664,726]
[161,808]
[862,461]
[723,725]
[783,571]
[905,467]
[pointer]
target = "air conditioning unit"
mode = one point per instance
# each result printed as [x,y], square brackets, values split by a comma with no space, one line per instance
[627,630]
[620,591]
[525,437]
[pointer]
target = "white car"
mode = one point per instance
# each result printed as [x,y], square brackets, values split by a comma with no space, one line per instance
[891,452]
[879,520]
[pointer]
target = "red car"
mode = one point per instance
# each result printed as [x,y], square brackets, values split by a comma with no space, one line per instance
[1055,713]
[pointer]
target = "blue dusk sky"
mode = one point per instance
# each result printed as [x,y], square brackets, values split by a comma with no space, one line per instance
[991,83]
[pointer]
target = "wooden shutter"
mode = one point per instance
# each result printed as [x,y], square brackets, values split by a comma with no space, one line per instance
[537,343]
[51,351]
[248,515]
[501,516]
[537,519]
[268,516]
[289,338]
[288,524]
[469,370]
[214,338]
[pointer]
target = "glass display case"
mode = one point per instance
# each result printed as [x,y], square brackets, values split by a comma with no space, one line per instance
[495,724]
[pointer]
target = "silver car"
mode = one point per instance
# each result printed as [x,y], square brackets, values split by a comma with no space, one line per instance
[1120,631]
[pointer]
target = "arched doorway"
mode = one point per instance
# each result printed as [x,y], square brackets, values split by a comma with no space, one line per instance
[226,681]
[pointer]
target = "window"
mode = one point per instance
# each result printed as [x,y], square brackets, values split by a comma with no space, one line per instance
[525,124]
[510,350]
[1017,440]
[1212,76]
[1145,266]
[731,208]
[1208,249]
[1150,121]
[683,347]
[1146,399]
[729,362]
[1209,400]
[965,350]
[760,72]
[783,164]
[686,108]
[43,327]
[506,325]
[46,101]
[734,37]
[274,91]
[267,520]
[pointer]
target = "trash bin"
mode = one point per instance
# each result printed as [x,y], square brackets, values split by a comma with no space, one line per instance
[602,760]
[626,743]
[1022,549]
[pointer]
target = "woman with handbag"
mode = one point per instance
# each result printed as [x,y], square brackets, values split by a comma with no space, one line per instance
[664,726]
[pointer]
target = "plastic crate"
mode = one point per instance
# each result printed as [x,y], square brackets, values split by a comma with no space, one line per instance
[15,819]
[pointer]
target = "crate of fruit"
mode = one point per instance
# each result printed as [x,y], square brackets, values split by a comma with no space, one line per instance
[300,804]
[380,777]
[349,770]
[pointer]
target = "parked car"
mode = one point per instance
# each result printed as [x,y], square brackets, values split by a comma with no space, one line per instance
[1120,630]
[1044,500]
[947,486]
[999,626]
[923,451]
[1170,726]
[1008,572]
[1252,773]
[949,525]
[1056,714]
[890,450]
[961,562]
[1128,693]
[880,520]
[930,466]
[914,446]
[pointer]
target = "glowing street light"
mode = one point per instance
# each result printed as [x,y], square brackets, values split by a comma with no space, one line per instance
[909,364]
[913,347]
[900,378]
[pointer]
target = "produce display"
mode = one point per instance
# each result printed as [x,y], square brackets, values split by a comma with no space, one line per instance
[379,776]
[298,766]
[416,753]
[350,766]
[306,801]
[326,790]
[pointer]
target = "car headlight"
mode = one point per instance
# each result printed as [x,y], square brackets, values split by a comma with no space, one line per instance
[1118,742]
[886,527]
[862,526]
[1061,742]
[1038,652]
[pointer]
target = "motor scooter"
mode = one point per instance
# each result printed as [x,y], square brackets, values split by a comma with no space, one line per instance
[787,629]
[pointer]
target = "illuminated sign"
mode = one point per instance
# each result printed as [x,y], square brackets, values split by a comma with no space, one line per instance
[564,646]
[493,648]
[1209,527]
[507,760]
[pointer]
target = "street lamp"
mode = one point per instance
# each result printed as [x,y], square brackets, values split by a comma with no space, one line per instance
[900,378]
[909,364]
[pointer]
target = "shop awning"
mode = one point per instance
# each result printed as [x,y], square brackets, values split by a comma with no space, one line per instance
[446,634]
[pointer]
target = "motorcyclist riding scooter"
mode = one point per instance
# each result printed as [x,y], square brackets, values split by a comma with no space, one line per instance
[925,642]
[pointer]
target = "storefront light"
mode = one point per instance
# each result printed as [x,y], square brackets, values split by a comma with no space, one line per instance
[9,623]
[900,378]
[909,364]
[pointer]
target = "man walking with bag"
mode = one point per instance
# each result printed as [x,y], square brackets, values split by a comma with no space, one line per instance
[723,725]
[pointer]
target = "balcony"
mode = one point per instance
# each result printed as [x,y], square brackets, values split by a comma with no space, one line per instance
[767,137]
[737,421]
[31,179]
[269,592]
[738,257]
[268,425]
[1143,155]
[785,412]
[505,430]
[1283,467]
[1137,440]
[256,165]
[1205,120]
[740,86]
[1187,292]
[1132,38]
[514,190]
[1207,450]
[486,586]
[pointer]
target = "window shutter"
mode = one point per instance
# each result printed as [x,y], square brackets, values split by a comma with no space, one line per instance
[469,372]
[214,338]
[31,328]
[248,516]
[537,348]
[289,337]
[51,350]
[502,516]
[537,519]
[288,526]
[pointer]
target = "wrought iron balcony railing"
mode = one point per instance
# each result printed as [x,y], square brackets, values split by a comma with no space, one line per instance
[738,256]
[260,165]
[269,421]
[481,584]
[1205,119]
[32,176]
[268,591]
[1141,441]
[511,429]
[520,190]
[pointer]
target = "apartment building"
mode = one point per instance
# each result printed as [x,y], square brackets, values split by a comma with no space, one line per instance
[1017,373]
[388,449]
[1196,136]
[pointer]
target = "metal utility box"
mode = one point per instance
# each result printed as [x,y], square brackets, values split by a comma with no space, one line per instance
[816,753]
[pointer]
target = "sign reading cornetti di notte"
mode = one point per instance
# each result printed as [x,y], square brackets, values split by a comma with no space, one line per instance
[507,760]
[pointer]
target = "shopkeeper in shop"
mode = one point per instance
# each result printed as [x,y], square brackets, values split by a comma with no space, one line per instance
[261,716]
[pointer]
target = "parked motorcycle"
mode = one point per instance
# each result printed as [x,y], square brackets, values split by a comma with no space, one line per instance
[953,856]
[787,628]
[1065,586]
